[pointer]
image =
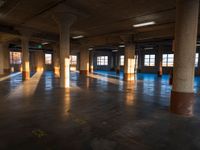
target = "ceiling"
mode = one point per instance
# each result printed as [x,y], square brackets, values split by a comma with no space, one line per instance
[95,18]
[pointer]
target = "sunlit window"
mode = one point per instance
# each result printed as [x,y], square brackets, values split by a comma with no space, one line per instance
[149,60]
[196,59]
[73,59]
[168,60]
[122,60]
[48,59]
[15,57]
[102,60]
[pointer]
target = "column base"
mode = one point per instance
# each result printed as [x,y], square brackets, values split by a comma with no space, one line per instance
[117,71]
[160,74]
[84,72]
[182,103]
[25,75]
[56,71]
[129,76]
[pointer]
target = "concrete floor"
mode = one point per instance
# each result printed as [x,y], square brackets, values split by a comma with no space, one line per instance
[99,112]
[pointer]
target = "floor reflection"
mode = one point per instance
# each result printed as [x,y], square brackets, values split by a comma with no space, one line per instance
[27,88]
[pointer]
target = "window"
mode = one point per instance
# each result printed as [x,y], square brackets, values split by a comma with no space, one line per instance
[102,60]
[122,60]
[168,60]
[73,59]
[149,60]
[15,57]
[48,59]
[196,59]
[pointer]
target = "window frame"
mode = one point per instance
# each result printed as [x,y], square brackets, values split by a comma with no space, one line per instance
[73,59]
[169,60]
[48,62]
[122,60]
[149,59]
[13,59]
[102,60]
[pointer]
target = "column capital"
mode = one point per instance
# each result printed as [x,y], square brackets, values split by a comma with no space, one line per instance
[127,39]
[85,43]
[25,32]
[65,18]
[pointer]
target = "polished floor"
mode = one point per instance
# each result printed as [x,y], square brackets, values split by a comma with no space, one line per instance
[98,112]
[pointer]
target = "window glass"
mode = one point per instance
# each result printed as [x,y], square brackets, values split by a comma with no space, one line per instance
[102,60]
[122,60]
[168,60]
[73,59]
[196,59]
[48,59]
[15,57]
[149,60]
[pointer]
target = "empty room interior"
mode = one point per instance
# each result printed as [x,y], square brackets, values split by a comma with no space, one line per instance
[99,75]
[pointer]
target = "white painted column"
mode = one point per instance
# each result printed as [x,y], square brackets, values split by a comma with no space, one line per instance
[182,96]
[64,21]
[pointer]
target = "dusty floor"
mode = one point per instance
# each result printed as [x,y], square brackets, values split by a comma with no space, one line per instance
[99,112]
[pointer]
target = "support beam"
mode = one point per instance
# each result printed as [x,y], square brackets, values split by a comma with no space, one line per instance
[182,95]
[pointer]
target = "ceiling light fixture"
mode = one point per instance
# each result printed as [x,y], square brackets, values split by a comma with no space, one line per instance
[90,49]
[45,43]
[115,50]
[77,37]
[148,48]
[121,46]
[144,24]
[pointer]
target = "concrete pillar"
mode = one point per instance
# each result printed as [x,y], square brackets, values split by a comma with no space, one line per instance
[129,62]
[139,61]
[56,60]
[84,60]
[25,58]
[117,58]
[5,58]
[91,61]
[64,21]
[40,61]
[1,58]
[182,95]
[160,72]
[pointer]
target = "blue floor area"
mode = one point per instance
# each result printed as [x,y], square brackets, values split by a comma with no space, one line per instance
[148,78]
